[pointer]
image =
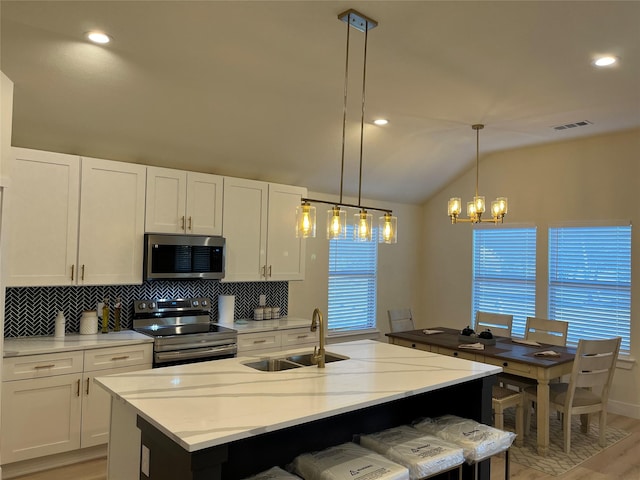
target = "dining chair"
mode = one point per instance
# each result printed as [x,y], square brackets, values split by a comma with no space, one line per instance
[498,323]
[502,398]
[400,320]
[551,332]
[588,388]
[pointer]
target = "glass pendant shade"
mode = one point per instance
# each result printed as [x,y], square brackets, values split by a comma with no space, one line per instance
[499,207]
[305,221]
[454,207]
[480,205]
[363,231]
[336,223]
[388,229]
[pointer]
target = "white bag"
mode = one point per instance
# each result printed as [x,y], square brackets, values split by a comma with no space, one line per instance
[479,441]
[347,461]
[424,455]
[275,473]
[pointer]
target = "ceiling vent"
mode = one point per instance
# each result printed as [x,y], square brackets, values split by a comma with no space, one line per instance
[567,126]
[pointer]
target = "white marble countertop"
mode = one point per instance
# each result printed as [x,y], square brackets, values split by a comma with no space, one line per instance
[212,403]
[15,347]
[255,326]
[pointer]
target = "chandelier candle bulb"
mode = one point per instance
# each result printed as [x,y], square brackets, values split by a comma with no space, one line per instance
[336,223]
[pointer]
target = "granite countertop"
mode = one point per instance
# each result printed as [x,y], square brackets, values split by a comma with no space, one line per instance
[212,403]
[255,326]
[15,347]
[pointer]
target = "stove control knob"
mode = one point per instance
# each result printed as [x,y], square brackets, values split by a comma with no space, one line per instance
[142,305]
[152,305]
[204,303]
[195,303]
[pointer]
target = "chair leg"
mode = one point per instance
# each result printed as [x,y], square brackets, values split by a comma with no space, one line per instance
[498,420]
[603,425]
[527,417]
[584,423]
[519,424]
[567,432]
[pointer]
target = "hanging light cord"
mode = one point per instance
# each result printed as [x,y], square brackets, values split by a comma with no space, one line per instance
[364,81]
[477,129]
[344,109]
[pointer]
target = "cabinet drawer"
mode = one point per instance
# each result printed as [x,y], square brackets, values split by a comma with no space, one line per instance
[455,353]
[258,341]
[114,357]
[516,368]
[299,336]
[417,346]
[39,366]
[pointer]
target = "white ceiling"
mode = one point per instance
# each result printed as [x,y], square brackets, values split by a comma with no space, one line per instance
[255,89]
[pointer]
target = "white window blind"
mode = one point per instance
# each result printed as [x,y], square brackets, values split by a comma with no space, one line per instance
[352,284]
[504,273]
[590,281]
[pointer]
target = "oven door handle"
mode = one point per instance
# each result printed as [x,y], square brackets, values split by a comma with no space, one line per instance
[196,353]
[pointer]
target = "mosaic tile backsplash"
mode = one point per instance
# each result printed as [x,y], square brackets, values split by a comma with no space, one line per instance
[30,311]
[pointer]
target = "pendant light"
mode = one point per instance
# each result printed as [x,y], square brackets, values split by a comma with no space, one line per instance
[336,215]
[476,208]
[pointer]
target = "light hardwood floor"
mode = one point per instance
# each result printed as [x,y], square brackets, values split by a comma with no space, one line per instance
[619,462]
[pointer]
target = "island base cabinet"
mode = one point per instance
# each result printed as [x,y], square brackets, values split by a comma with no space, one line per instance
[163,459]
[40,417]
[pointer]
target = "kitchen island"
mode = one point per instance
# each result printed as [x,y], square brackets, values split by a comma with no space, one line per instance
[224,419]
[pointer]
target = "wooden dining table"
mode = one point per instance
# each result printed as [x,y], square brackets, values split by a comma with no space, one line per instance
[514,358]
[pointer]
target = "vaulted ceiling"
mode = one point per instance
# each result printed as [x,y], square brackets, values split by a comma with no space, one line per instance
[255,89]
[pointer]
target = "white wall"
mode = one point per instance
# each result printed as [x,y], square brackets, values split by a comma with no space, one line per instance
[398,268]
[588,180]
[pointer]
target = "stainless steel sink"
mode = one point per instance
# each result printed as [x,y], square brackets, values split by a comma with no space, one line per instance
[293,361]
[273,365]
[305,358]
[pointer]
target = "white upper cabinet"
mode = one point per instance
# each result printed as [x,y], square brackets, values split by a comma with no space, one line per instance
[62,234]
[259,228]
[183,202]
[285,252]
[111,222]
[42,219]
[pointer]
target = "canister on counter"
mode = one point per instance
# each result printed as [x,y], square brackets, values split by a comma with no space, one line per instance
[275,313]
[267,313]
[258,313]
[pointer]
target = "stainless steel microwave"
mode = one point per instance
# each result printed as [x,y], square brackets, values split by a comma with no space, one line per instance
[169,256]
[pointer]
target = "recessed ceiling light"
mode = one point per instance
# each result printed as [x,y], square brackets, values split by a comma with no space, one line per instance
[98,37]
[381,121]
[605,61]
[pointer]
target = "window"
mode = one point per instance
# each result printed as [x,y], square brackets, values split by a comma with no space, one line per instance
[590,281]
[504,273]
[352,284]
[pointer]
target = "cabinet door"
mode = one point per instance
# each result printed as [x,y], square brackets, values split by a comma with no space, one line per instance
[166,200]
[244,226]
[298,337]
[40,417]
[42,219]
[204,204]
[285,252]
[96,406]
[111,222]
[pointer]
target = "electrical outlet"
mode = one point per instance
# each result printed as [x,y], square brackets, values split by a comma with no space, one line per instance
[263,300]
[144,460]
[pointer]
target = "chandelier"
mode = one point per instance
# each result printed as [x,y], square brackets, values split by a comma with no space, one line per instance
[336,215]
[476,208]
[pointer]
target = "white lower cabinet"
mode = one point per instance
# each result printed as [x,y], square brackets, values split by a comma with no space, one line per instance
[50,404]
[275,340]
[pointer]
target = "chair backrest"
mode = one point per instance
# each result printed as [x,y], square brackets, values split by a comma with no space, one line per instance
[498,323]
[593,366]
[400,320]
[551,332]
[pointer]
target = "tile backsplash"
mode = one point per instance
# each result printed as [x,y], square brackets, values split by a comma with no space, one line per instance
[30,311]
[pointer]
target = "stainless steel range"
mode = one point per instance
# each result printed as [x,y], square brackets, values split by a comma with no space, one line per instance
[182,331]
